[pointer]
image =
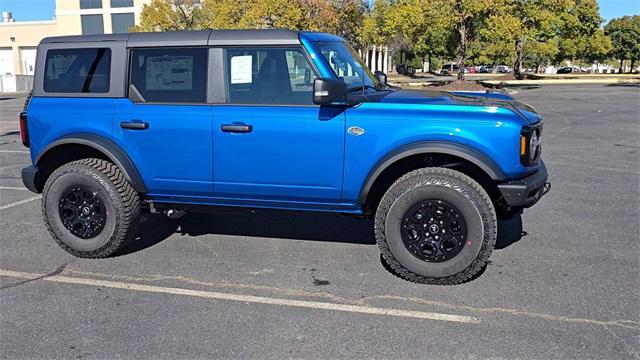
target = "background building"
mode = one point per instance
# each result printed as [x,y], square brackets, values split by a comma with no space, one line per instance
[19,39]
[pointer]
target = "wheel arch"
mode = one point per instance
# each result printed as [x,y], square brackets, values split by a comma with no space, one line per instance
[78,146]
[430,153]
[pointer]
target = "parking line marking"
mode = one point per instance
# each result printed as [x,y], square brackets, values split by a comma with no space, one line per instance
[14,151]
[4,207]
[13,188]
[245,298]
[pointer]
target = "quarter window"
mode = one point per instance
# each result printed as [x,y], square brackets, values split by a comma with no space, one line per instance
[77,71]
[170,75]
[269,76]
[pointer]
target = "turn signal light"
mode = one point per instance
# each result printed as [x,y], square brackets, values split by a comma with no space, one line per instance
[24,130]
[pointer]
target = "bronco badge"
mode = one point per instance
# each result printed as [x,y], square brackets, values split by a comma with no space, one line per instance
[355,130]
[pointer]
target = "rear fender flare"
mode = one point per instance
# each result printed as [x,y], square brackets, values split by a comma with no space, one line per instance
[109,149]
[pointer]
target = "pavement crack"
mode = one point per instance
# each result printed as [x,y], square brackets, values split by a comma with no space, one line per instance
[210,248]
[55,272]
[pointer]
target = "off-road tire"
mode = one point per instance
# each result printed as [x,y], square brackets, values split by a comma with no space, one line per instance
[435,183]
[121,201]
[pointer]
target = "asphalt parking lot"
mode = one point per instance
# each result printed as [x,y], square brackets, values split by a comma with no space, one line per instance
[564,281]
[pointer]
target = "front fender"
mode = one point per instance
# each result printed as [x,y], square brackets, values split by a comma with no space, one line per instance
[441,147]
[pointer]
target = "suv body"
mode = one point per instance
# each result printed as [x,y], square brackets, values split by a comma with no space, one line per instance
[258,118]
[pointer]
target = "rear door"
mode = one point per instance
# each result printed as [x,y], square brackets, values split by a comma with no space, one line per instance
[271,142]
[165,125]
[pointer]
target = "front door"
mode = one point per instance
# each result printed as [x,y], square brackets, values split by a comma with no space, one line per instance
[271,142]
[165,125]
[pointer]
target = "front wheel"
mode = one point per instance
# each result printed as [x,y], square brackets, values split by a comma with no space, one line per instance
[436,226]
[89,208]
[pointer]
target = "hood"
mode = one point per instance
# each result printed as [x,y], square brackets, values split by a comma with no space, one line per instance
[488,98]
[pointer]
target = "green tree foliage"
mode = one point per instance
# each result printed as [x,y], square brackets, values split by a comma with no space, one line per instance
[625,36]
[164,15]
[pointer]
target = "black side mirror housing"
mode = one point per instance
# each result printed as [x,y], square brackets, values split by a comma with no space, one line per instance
[329,91]
[381,77]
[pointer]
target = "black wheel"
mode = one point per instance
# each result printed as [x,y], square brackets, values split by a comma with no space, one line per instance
[89,208]
[436,226]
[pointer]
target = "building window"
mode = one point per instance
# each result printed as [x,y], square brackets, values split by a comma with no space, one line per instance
[121,23]
[170,75]
[77,71]
[92,24]
[121,3]
[90,4]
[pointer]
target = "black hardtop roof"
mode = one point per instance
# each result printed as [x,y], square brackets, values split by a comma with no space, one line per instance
[189,38]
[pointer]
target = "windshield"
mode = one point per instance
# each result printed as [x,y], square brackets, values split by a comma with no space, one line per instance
[346,64]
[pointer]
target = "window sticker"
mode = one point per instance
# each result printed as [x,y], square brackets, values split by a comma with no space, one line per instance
[169,73]
[241,69]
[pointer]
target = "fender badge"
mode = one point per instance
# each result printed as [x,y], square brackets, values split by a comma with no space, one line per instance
[355,130]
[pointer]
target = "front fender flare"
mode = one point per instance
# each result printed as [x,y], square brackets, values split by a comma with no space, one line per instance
[442,147]
[107,147]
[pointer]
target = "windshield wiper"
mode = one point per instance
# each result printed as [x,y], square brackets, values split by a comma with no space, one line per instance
[361,87]
[364,87]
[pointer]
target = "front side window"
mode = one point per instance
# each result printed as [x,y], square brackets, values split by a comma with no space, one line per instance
[92,24]
[269,76]
[121,23]
[346,64]
[77,71]
[170,75]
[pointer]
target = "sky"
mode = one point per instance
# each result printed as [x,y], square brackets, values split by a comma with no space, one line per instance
[25,10]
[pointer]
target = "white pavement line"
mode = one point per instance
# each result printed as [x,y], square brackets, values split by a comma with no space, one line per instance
[246,298]
[4,207]
[13,188]
[14,151]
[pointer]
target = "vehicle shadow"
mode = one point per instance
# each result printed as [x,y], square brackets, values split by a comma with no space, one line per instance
[275,224]
[255,223]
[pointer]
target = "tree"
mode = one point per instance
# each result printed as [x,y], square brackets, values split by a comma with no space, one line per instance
[166,15]
[538,53]
[625,37]
[350,20]
[468,16]
[224,14]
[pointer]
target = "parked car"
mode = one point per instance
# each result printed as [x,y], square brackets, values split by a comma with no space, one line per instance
[471,70]
[485,69]
[565,70]
[123,124]
[450,69]
[504,69]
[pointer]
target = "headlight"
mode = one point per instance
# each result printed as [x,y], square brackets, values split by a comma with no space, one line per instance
[530,144]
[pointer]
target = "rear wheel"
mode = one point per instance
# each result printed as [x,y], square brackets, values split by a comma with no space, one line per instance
[89,208]
[437,226]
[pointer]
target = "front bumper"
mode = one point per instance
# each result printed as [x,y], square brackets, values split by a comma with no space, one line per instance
[527,191]
[29,175]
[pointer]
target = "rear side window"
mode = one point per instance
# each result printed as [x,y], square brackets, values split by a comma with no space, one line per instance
[77,71]
[170,75]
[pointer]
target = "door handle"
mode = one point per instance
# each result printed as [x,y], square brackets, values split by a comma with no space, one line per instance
[134,125]
[237,128]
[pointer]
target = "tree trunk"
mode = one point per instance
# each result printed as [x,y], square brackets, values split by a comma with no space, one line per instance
[633,62]
[621,66]
[517,65]
[429,63]
[463,47]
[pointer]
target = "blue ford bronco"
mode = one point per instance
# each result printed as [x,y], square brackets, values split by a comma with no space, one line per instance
[123,124]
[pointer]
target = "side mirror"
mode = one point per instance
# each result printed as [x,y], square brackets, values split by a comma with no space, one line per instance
[381,77]
[328,91]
